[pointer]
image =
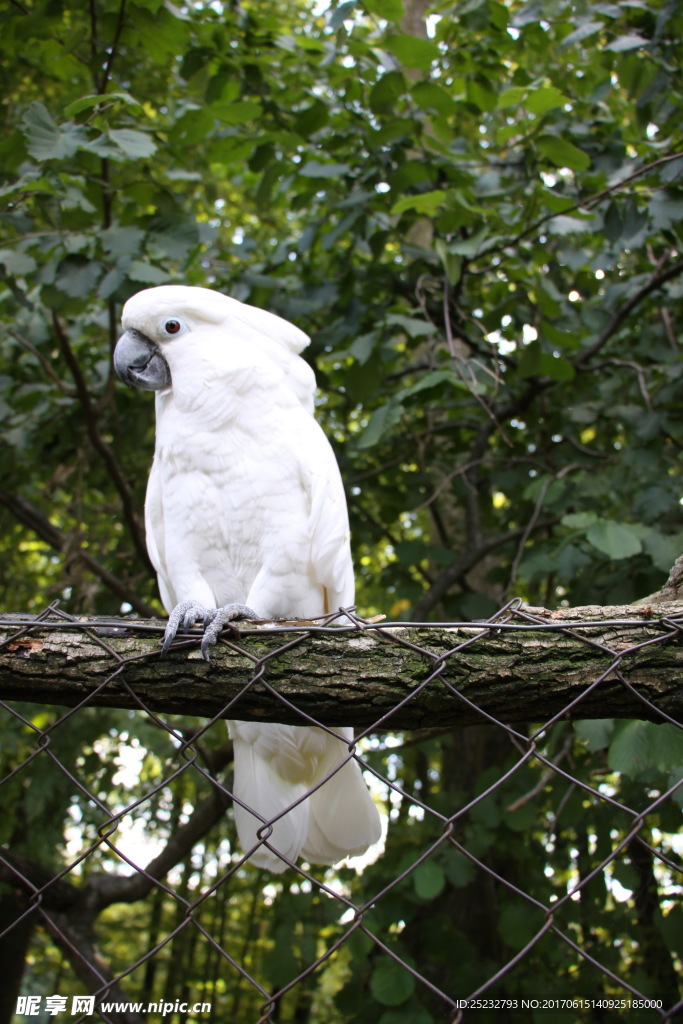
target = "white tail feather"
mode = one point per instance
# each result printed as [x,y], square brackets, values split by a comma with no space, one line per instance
[275,765]
[257,785]
[343,818]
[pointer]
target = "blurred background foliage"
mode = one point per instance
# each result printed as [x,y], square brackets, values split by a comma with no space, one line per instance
[474,208]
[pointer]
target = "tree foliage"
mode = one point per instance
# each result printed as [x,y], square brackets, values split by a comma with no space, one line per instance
[475,211]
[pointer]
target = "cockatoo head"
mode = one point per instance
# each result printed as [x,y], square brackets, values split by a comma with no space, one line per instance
[168,327]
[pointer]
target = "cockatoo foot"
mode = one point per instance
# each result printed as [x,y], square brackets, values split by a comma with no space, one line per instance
[213,620]
[218,618]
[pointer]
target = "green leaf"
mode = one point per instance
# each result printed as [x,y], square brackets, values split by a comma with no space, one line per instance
[412,51]
[555,202]
[616,540]
[386,91]
[563,153]
[237,112]
[364,345]
[630,750]
[344,11]
[517,924]
[583,31]
[414,327]
[546,98]
[313,169]
[122,241]
[380,423]
[458,868]
[133,144]
[579,520]
[452,262]
[174,237]
[111,281]
[512,98]
[624,43]
[596,733]
[564,225]
[45,139]
[666,210]
[391,984]
[431,96]
[96,99]
[312,119]
[561,339]
[425,202]
[480,92]
[469,247]
[16,262]
[663,549]
[537,363]
[428,880]
[390,10]
[432,380]
[146,273]
[78,276]
[667,746]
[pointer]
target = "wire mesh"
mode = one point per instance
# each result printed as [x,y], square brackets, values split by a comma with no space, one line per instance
[191,899]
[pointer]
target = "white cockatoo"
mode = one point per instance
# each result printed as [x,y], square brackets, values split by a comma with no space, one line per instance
[246,517]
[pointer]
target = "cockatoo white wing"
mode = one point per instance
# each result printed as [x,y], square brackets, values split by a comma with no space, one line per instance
[328,527]
[154,534]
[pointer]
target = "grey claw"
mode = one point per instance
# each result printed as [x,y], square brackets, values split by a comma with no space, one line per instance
[188,612]
[219,618]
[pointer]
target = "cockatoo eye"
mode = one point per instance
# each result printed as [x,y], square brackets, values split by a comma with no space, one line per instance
[173,326]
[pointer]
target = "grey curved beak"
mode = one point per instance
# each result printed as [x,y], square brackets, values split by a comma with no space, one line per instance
[139,362]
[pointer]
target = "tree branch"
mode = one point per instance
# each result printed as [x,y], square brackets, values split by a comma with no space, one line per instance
[64,910]
[574,663]
[458,569]
[31,517]
[106,74]
[580,204]
[656,281]
[105,889]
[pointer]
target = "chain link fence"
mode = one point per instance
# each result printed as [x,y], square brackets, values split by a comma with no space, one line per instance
[152,895]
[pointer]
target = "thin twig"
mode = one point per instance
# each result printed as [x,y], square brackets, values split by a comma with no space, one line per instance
[532,522]
[655,282]
[462,565]
[100,445]
[45,363]
[581,204]
[113,49]
[545,778]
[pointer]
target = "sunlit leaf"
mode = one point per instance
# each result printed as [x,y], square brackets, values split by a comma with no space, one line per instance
[412,51]
[134,144]
[616,540]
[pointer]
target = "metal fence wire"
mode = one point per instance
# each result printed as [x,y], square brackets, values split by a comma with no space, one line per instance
[149,895]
